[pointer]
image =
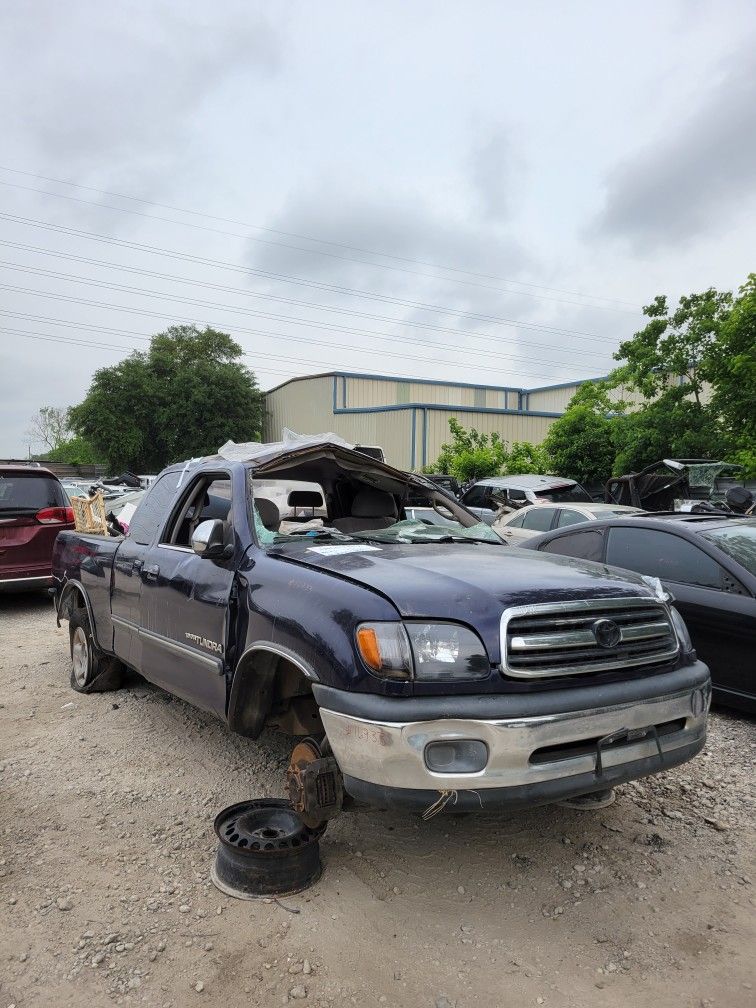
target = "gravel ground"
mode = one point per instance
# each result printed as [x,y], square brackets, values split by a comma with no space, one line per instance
[106,809]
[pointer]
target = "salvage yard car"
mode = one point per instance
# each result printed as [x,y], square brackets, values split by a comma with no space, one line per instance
[517,526]
[33,509]
[485,497]
[708,563]
[427,663]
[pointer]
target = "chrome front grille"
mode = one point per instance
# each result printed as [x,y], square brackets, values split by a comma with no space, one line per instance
[594,635]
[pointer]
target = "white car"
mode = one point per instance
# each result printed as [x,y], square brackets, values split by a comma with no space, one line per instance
[517,526]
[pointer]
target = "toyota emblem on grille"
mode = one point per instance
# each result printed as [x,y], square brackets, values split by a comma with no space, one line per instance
[608,634]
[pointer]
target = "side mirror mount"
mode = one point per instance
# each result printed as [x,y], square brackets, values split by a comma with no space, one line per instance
[208,539]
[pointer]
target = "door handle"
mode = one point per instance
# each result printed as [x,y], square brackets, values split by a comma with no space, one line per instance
[150,572]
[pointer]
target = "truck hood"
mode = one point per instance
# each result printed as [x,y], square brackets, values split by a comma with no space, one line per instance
[468,582]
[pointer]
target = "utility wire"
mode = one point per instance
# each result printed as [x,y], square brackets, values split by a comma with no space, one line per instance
[119,347]
[307,340]
[142,292]
[290,278]
[315,251]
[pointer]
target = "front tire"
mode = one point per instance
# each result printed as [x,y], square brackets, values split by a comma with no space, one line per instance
[92,671]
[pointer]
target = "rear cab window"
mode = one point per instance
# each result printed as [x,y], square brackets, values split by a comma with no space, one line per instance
[153,509]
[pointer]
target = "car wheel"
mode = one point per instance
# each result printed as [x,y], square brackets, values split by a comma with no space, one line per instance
[92,671]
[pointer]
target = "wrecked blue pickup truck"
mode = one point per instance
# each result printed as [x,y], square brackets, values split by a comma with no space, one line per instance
[421,663]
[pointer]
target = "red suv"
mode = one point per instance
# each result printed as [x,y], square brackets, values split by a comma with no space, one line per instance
[33,509]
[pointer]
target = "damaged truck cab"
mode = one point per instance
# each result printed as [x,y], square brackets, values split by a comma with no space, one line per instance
[424,662]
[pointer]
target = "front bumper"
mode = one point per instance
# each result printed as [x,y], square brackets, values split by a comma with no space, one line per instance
[535,756]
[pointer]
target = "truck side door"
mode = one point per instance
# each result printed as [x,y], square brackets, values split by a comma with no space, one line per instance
[126,593]
[186,599]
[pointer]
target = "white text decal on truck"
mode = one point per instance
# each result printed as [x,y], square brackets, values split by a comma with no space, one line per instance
[211,645]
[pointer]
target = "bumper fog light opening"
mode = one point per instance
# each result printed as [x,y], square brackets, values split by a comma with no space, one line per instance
[455,756]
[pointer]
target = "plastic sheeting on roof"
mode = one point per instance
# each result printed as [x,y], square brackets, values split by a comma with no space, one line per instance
[251,451]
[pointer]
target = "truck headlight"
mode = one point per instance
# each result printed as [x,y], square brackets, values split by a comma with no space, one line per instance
[447,652]
[427,652]
[686,644]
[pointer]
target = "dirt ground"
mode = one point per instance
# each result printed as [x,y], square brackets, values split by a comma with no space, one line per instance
[106,842]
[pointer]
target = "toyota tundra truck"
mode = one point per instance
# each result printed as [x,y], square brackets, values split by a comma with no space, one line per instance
[421,664]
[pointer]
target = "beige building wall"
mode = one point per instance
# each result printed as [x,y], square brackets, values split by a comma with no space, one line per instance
[410,419]
[411,432]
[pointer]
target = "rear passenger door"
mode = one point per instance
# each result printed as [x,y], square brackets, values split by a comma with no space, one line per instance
[186,599]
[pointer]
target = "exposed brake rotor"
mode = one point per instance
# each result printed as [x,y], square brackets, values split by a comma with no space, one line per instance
[314,784]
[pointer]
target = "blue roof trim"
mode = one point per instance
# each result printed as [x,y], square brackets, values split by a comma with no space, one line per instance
[433,381]
[567,384]
[446,408]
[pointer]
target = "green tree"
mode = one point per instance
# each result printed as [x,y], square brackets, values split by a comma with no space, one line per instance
[581,443]
[525,457]
[470,455]
[75,451]
[50,426]
[733,375]
[183,397]
[675,362]
[670,427]
[675,347]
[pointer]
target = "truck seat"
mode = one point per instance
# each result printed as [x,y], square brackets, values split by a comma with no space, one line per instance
[268,513]
[371,509]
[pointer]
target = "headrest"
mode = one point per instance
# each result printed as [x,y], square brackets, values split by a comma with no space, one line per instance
[268,513]
[372,503]
[305,498]
[739,498]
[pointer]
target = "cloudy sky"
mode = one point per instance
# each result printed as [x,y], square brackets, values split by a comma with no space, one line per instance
[481,191]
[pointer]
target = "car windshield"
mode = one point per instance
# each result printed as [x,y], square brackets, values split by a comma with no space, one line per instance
[563,494]
[738,542]
[288,512]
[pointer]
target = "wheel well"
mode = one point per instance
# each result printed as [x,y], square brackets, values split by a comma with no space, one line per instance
[73,598]
[270,688]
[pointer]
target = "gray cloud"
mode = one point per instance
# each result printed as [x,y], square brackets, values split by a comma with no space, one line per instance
[700,172]
[112,91]
[494,167]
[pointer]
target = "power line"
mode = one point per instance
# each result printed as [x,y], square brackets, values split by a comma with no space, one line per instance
[31,270]
[242,292]
[272,335]
[110,346]
[290,278]
[322,241]
[120,347]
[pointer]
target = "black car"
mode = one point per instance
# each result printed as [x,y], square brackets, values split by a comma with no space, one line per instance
[708,563]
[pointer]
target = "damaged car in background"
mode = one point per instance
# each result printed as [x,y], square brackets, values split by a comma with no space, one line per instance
[428,666]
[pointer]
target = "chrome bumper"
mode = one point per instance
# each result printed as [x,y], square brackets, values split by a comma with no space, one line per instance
[392,755]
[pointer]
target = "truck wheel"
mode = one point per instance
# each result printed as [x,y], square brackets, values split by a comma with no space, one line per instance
[92,671]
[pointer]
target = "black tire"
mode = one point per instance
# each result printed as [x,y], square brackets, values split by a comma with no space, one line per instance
[92,671]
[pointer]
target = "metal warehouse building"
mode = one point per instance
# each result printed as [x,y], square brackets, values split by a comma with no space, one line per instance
[409,417]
